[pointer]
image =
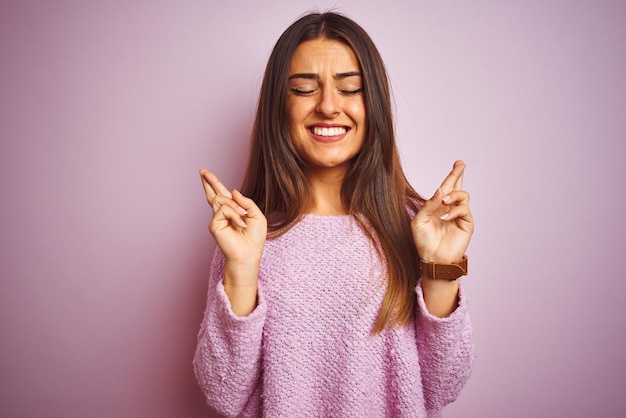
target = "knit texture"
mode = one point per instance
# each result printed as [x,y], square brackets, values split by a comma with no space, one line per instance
[307,350]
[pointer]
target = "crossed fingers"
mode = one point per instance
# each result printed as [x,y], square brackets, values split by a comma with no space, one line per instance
[221,199]
[450,201]
[454,180]
[453,196]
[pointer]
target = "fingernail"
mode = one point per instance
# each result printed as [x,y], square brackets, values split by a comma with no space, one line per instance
[448,197]
[241,210]
[444,216]
[242,223]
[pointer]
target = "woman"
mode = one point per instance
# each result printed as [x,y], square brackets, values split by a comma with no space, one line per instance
[316,304]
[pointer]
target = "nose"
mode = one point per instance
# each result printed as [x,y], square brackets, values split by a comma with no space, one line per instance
[328,104]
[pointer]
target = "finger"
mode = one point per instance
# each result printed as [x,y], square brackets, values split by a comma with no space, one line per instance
[220,201]
[461,212]
[224,218]
[454,181]
[458,185]
[247,204]
[215,183]
[208,190]
[456,197]
[234,216]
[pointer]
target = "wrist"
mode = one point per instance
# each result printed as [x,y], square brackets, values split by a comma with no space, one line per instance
[241,287]
[443,271]
[241,273]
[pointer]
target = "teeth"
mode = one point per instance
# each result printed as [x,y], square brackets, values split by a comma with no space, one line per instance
[329,131]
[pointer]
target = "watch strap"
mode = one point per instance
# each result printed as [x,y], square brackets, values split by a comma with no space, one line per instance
[444,271]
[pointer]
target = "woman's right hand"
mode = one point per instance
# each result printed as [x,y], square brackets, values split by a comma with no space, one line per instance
[239,228]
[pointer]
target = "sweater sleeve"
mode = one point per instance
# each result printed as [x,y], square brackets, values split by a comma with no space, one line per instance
[227,361]
[446,352]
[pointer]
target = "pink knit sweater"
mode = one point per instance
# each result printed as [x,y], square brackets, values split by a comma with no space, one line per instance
[307,349]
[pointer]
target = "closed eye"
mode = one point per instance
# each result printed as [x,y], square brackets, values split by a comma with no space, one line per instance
[351,92]
[308,92]
[302,92]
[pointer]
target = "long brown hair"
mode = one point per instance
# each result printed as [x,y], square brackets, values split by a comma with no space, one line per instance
[375,190]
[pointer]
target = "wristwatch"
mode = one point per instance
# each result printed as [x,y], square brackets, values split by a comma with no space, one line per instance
[444,271]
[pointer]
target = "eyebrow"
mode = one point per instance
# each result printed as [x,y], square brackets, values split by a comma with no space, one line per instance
[338,76]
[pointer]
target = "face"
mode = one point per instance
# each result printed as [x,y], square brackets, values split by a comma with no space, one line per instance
[325,104]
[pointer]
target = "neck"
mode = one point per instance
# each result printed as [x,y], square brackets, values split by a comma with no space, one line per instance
[326,192]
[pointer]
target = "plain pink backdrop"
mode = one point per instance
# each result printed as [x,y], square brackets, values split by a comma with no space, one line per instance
[109,108]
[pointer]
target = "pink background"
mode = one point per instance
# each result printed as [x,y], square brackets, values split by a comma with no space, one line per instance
[108,109]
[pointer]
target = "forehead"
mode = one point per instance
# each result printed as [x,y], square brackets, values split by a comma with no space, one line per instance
[319,55]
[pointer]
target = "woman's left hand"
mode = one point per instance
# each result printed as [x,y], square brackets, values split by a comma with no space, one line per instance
[444,225]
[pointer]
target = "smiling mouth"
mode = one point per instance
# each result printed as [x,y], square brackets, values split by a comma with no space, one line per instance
[328,132]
